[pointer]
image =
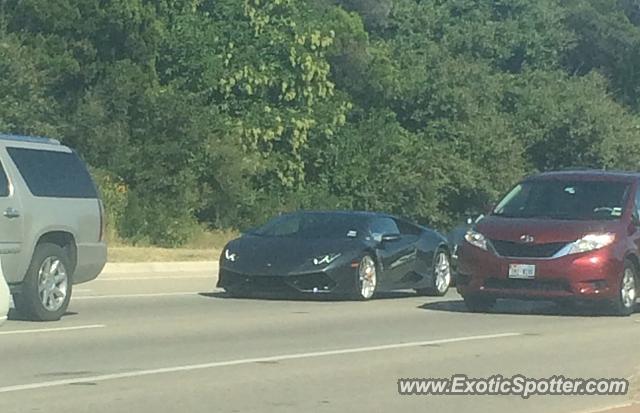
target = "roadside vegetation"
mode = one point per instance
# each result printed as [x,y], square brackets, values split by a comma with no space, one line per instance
[206,117]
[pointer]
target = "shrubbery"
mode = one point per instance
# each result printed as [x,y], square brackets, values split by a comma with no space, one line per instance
[223,113]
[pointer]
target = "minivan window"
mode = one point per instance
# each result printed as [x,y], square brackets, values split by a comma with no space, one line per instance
[53,174]
[568,200]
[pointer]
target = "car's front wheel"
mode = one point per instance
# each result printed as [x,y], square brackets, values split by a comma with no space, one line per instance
[625,303]
[46,290]
[366,278]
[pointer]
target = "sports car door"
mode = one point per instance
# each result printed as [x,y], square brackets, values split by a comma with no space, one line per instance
[397,255]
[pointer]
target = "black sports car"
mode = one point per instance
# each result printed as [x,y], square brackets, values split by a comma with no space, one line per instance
[354,254]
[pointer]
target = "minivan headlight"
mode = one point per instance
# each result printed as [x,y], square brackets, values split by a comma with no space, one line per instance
[476,239]
[589,242]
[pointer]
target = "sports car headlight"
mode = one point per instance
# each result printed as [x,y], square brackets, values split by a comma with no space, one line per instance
[589,242]
[230,256]
[476,239]
[325,259]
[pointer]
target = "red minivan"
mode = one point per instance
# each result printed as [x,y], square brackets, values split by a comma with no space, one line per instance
[570,236]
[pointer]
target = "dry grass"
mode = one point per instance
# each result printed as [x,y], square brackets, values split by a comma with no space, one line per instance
[204,246]
[154,254]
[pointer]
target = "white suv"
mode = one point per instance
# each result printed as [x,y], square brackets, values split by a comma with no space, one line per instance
[51,224]
[5,298]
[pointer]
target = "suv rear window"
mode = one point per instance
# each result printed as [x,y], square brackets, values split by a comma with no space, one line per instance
[53,174]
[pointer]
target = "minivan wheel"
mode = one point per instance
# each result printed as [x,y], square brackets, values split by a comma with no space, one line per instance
[477,304]
[46,290]
[625,303]
[441,276]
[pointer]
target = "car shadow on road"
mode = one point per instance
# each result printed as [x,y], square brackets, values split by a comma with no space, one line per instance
[15,315]
[395,295]
[516,307]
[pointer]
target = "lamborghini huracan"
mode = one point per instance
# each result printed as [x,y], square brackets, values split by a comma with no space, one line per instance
[349,254]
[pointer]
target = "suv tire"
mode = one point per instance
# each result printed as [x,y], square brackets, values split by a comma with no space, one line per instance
[46,290]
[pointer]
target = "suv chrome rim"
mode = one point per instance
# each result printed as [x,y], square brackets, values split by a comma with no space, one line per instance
[443,272]
[628,291]
[368,279]
[52,284]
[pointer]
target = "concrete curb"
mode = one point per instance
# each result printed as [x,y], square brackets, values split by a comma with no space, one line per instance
[159,267]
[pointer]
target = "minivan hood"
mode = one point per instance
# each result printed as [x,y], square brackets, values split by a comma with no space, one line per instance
[542,230]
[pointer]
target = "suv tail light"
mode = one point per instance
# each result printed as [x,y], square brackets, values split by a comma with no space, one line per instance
[103,222]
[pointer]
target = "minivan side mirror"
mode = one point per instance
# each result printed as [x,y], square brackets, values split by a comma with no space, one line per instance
[474,219]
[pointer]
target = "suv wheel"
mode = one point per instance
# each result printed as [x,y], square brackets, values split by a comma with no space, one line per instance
[625,303]
[47,286]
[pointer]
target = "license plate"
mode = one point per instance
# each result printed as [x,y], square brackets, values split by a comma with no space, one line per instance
[524,271]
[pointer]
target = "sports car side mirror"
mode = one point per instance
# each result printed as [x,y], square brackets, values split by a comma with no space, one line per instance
[390,237]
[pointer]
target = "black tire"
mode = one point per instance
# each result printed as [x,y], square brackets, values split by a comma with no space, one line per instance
[366,264]
[620,306]
[434,290]
[29,302]
[477,304]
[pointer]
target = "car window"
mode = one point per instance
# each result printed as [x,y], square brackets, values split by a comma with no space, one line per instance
[384,226]
[53,173]
[312,225]
[407,228]
[4,183]
[563,199]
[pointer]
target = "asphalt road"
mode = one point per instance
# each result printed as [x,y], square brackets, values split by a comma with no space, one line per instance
[171,342]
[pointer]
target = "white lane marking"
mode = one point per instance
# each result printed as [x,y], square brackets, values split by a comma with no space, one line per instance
[155,277]
[295,356]
[607,409]
[98,297]
[51,330]
[82,290]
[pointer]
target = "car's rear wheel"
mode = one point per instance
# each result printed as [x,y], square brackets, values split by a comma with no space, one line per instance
[366,278]
[478,304]
[46,290]
[625,303]
[441,280]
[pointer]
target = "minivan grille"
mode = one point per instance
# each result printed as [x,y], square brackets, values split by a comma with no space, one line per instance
[519,250]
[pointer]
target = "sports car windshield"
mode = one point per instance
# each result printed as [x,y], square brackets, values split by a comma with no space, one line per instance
[313,225]
[567,200]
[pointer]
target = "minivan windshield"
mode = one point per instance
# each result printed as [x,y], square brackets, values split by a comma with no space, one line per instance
[566,200]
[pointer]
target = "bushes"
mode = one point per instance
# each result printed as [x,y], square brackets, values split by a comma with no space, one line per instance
[223,113]
[114,194]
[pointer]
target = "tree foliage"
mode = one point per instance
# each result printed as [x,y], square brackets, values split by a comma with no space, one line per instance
[224,112]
